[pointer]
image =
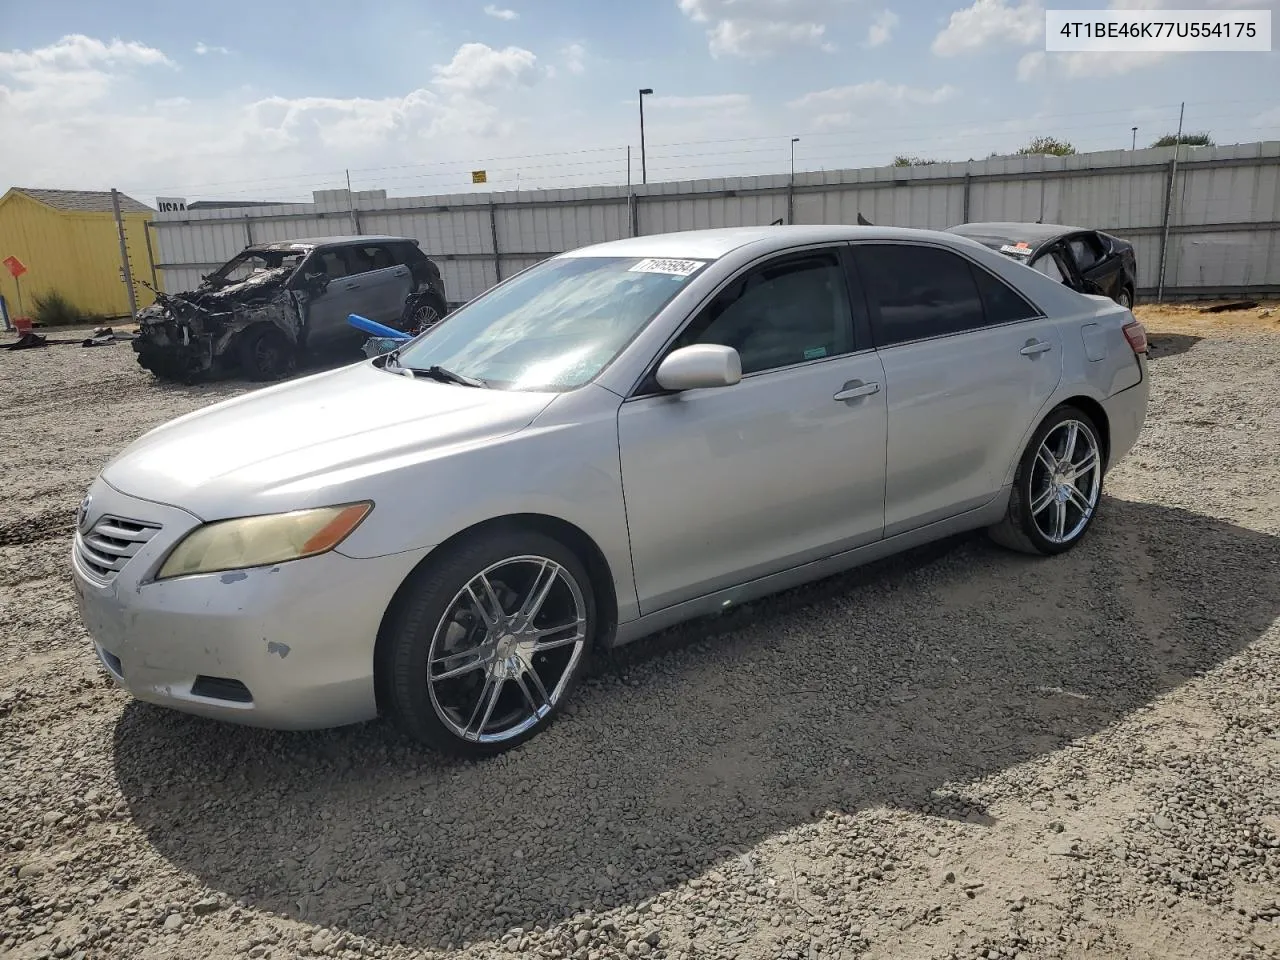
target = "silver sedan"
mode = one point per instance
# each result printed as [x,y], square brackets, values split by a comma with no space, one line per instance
[617,439]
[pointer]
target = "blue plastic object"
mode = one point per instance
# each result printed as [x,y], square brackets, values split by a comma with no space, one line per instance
[375,328]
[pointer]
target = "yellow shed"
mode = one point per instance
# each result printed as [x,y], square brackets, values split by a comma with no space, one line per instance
[67,240]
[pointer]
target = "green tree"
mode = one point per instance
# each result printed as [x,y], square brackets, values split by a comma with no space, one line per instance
[1050,145]
[1187,140]
[905,161]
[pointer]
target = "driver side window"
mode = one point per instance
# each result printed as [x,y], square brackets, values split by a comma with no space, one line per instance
[786,312]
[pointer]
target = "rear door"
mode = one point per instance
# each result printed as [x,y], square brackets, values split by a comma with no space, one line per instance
[1102,271]
[969,364]
[383,280]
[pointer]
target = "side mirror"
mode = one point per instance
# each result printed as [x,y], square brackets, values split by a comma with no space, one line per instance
[699,366]
[317,280]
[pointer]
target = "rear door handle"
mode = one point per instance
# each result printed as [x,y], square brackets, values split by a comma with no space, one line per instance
[351,286]
[1037,346]
[857,389]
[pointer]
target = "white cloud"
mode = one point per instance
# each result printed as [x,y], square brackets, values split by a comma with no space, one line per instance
[989,22]
[78,52]
[203,48]
[756,29]
[498,13]
[477,67]
[873,92]
[881,28]
[94,114]
[575,55]
[73,72]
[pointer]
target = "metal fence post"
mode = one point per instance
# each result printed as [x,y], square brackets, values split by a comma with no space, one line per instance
[151,256]
[493,231]
[967,181]
[124,254]
[1168,206]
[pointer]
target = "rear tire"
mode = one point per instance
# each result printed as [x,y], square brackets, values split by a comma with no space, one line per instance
[266,353]
[1057,487]
[463,667]
[423,312]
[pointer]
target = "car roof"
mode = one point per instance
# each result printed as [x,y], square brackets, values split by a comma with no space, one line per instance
[712,244]
[1011,232]
[310,243]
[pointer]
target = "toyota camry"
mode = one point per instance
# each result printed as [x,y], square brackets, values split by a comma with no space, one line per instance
[616,439]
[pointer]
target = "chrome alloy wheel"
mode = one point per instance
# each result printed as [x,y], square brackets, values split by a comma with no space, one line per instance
[424,318]
[506,648]
[1066,481]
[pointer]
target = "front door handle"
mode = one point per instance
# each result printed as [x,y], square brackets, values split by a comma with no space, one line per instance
[857,389]
[1034,347]
[351,286]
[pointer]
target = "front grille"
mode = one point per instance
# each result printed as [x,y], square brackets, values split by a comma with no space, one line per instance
[112,542]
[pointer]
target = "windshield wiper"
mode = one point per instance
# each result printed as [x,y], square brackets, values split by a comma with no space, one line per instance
[437,372]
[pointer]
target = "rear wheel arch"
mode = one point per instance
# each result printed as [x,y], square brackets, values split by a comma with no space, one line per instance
[570,535]
[1097,413]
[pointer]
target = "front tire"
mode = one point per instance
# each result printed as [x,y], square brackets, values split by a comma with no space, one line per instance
[266,353]
[1056,488]
[1125,299]
[488,643]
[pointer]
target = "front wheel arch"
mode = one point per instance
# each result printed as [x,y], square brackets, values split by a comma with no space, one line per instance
[572,536]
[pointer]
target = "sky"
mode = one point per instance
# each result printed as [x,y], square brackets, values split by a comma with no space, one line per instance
[273,101]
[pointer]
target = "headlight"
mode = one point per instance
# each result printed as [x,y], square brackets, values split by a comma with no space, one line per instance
[262,540]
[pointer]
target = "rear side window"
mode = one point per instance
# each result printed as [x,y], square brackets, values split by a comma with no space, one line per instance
[1000,302]
[918,292]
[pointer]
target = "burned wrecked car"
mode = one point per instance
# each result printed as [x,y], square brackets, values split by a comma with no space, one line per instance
[272,303]
[1086,260]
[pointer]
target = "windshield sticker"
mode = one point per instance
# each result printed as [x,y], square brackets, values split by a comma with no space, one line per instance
[1017,249]
[676,268]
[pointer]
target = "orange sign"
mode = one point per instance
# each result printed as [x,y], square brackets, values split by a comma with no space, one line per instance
[15,267]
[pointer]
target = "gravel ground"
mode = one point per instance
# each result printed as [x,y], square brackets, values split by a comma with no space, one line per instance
[958,752]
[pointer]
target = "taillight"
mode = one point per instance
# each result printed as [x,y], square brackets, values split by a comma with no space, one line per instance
[1136,334]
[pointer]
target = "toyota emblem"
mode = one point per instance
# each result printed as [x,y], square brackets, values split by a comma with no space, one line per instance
[82,515]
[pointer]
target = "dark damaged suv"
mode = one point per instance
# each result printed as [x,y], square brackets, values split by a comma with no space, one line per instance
[262,310]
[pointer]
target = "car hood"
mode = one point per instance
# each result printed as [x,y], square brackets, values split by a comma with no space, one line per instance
[300,443]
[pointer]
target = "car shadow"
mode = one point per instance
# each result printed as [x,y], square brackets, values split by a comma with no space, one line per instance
[1161,345]
[885,686]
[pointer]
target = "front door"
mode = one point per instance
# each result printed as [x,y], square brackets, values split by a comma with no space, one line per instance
[969,364]
[728,484]
[338,296]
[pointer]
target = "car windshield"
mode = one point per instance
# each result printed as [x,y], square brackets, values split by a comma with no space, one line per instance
[553,327]
[243,265]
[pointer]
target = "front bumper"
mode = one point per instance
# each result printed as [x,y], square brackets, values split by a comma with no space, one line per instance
[287,647]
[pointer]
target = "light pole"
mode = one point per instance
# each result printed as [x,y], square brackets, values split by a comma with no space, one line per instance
[791,187]
[1135,139]
[644,173]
